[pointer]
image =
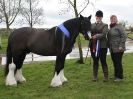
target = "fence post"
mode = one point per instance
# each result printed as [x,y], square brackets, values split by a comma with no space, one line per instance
[32,57]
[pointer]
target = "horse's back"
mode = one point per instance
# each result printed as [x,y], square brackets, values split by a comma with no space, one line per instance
[39,41]
[24,32]
[21,33]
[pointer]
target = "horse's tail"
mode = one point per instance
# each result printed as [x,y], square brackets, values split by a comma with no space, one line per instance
[8,58]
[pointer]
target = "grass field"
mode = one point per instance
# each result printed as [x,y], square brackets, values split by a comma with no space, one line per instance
[130,35]
[4,38]
[79,84]
[4,45]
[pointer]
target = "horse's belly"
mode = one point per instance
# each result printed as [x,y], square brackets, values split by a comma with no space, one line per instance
[44,52]
[46,48]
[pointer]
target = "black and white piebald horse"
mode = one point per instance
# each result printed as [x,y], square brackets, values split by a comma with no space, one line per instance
[57,41]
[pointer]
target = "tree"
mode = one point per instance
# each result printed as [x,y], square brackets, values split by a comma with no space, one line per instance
[77,12]
[9,10]
[31,13]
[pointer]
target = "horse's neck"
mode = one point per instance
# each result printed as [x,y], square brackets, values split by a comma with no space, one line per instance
[73,26]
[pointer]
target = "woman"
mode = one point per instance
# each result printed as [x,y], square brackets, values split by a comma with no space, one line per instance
[98,45]
[117,38]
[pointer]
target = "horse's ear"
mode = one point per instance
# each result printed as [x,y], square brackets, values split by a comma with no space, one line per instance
[81,17]
[89,17]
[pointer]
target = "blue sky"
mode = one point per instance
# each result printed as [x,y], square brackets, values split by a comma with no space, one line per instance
[52,8]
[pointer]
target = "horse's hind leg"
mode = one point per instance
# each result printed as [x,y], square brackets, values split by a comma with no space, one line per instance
[18,73]
[10,79]
[15,73]
[59,77]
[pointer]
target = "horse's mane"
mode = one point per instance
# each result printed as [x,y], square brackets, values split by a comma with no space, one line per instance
[71,21]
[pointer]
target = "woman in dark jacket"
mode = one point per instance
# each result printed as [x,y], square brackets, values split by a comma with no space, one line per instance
[98,46]
[117,38]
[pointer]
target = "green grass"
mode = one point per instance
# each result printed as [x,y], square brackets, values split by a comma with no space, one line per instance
[4,38]
[130,35]
[4,45]
[80,86]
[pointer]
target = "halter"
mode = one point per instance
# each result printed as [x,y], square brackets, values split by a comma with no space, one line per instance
[81,23]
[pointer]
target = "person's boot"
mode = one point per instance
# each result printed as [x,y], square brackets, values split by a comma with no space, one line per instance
[95,73]
[105,72]
[94,79]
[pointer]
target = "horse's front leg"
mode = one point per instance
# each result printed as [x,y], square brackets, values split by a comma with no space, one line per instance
[59,77]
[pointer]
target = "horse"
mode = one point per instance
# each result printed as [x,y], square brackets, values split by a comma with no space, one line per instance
[57,41]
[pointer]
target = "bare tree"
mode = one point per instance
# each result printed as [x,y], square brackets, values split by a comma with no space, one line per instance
[0,13]
[31,12]
[77,9]
[9,10]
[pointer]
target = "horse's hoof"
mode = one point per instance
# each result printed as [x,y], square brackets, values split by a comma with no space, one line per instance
[19,77]
[64,80]
[11,84]
[23,80]
[56,81]
[55,84]
[14,85]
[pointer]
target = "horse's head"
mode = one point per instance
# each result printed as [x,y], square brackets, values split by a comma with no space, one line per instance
[85,26]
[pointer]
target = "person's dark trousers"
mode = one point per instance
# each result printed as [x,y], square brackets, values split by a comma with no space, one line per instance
[117,62]
[102,57]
